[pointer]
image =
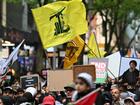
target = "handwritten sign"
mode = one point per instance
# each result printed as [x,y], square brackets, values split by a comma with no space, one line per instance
[30,81]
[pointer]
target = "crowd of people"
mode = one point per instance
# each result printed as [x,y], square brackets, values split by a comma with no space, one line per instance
[121,91]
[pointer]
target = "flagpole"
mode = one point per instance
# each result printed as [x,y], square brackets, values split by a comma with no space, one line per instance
[95,91]
[97,45]
[111,73]
[91,50]
[54,59]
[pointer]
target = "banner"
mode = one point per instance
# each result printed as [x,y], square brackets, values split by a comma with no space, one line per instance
[114,64]
[30,81]
[94,51]
[89,99]
[11,59]
[73,50]
[101,69]
[124,65]
[60,22]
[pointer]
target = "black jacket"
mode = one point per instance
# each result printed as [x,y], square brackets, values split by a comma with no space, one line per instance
[130,77]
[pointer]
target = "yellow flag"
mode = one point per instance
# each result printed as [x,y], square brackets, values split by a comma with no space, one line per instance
[94,51]
[60,22]
[73,50]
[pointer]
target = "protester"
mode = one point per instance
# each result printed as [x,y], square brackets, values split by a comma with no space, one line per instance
[8,91]
[6,100]
[109,93]
[83,86]
[58,98]
[69,92]
[20,92]
[129,101]
[48,100]
[130,77]
[116,97]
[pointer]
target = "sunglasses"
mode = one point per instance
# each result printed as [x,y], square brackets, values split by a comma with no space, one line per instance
[69,90]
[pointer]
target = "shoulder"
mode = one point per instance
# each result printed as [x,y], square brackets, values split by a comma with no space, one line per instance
[126,71]
[137,70]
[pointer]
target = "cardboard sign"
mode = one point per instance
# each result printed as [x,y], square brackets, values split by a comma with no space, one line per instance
[30,81]
[125,64]
[90,69]
[101,69]
[58,79]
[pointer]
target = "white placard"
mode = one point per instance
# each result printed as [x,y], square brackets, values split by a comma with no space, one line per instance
[125,64]
[114,64]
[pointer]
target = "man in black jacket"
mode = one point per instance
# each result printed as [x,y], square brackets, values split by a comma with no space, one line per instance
[130,77]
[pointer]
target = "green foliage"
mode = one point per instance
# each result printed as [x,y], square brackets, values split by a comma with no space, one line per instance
[116,15]
[32,3]
[120,8]
[14,1]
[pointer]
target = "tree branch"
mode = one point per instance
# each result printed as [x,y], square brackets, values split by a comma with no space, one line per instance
[39,2]
[136,32]
[45,2]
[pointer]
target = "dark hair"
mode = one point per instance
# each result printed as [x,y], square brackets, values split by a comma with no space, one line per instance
[84,81]
[129,101]
[21,100]
[29,97]
[133,61]
[6,100]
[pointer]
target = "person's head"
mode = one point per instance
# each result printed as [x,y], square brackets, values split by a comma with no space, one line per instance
[48,100]
[133,64]
[83,82]
[29,73]
[6,100]
[129,101]
[20,92]
[69,90]
[21,100]
[31,90]
[115,94]
[29,97]
[8,92]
